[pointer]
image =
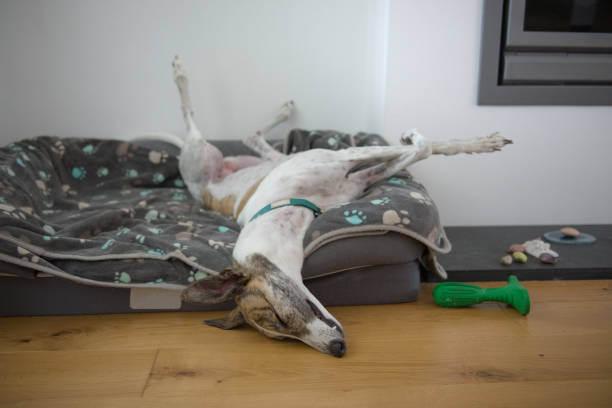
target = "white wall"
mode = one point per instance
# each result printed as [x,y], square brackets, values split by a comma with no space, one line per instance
[559,169]
[102,68]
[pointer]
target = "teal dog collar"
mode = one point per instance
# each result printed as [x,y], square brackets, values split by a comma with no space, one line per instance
[284,203]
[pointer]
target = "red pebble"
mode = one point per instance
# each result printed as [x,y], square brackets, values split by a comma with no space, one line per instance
[517,248]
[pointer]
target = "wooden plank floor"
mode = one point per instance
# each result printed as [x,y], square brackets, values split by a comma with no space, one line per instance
[398,355]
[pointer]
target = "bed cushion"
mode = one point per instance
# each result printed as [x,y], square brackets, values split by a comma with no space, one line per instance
[113,213]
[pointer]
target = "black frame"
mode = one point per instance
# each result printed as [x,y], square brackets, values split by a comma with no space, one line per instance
[491,90]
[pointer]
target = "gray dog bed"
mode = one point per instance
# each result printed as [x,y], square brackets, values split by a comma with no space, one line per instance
[85,219]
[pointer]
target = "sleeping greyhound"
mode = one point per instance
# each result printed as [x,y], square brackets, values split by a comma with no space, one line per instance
[274,199]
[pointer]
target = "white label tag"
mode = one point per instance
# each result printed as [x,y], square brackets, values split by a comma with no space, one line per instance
[154,298]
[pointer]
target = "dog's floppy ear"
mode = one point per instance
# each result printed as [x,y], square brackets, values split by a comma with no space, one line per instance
[231,321]
[215,288]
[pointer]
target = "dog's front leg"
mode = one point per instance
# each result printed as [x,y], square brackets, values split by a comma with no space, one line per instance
[486,144]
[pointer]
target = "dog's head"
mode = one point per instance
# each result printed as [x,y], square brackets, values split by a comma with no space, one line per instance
[271,302]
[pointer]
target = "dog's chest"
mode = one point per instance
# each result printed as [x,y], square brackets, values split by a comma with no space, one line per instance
[231,195]
[229,204]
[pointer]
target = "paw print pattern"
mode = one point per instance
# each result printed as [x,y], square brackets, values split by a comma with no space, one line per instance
[89,149]
[108,244]
[158,178]
[180,246]
[128,212]
[131,173]
[27,256]
[102,172]
[79,173]
[151,215]
[42,187]
[59,148]
[219,244]
[421,198]
[44,176]
[397,181]
[158,157]
[391,217]
[123,152]
[8,170]
[122,231]
[354,217]
[380,201]
[25,157]
[122,277]
[196,275]
[66,189]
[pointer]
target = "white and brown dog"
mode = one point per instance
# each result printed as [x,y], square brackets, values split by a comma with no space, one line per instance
[274,199]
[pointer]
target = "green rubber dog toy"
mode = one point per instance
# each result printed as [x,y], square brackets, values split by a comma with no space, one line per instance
[456,294]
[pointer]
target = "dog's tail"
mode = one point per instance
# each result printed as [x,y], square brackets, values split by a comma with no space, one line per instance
[165,137]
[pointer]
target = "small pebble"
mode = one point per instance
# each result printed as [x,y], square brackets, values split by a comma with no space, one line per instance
[519,257]
[570,232]
[516,248]
[506,260]
[548,258]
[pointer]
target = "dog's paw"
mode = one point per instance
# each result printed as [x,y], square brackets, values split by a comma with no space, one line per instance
[414,138]
[492,143]
[179,72]
[286,110]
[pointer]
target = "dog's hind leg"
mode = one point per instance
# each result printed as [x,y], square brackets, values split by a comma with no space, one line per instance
[416,149]
[423,148]
[257,141]
[200,163]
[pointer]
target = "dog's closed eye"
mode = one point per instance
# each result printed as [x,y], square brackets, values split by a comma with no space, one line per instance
[273,311]
[321,317]
[280,320]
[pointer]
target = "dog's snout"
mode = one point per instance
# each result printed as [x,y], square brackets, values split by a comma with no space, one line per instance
[337,348]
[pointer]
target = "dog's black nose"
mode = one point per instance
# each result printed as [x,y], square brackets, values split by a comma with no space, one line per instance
[337,348]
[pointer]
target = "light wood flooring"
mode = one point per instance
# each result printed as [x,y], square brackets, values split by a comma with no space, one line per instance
[407,355]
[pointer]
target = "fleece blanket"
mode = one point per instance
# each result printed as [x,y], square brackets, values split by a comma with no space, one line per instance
[113,213]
